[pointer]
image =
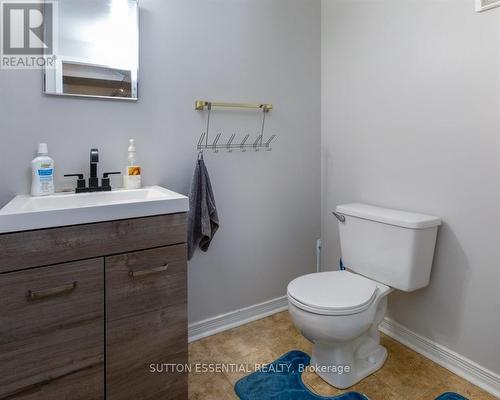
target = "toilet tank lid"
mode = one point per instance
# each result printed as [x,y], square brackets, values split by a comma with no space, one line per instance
[389,216]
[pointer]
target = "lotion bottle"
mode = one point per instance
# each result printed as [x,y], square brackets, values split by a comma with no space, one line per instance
[132,175]
[42,167]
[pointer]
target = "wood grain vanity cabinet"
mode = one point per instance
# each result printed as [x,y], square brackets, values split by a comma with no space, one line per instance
[86,311]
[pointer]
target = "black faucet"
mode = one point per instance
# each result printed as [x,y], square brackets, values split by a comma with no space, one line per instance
[94,159]
[93,179]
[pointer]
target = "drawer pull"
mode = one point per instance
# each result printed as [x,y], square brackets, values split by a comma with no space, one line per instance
[147,272]
[43,294]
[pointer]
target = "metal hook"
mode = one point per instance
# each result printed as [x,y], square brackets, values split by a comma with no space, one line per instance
[214,145]
[201,140]
[257,143]
[229,142]
[200,155]
[268,143]
[242,145]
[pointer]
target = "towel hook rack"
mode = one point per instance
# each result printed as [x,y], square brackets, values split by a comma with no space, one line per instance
[259,143]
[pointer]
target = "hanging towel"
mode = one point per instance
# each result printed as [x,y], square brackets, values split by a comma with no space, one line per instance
[203,220]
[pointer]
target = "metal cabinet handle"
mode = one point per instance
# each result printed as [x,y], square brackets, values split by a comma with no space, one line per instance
[43,294]
[147,272]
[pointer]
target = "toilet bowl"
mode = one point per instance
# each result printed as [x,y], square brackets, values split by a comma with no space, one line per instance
[340,311]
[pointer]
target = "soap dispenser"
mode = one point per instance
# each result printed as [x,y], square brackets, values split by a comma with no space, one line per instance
[132,175]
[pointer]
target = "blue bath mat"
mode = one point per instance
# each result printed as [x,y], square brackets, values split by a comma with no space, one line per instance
[451,396]
[281,380]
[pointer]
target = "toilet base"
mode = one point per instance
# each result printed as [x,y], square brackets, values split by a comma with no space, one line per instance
[345,364]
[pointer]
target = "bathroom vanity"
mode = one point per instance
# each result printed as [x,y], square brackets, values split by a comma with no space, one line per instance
[89,310]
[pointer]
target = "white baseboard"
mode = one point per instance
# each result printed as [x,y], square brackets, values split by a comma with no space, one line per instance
[211,326]
[443,356]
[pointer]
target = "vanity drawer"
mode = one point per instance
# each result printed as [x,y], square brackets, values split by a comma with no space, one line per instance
[145,281]
[52,327]
[23,250]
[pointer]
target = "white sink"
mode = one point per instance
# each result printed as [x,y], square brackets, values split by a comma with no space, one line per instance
[62,209]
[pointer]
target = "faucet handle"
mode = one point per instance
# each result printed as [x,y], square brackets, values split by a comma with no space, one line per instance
[106,185]
[107,174]
[80,176]
[80,183]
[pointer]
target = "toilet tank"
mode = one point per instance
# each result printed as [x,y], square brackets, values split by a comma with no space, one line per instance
[393,247]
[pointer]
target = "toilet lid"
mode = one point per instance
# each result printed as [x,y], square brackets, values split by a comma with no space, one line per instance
[332,293]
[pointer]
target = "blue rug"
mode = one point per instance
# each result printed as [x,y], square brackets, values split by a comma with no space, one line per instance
[451,396]
[281,380]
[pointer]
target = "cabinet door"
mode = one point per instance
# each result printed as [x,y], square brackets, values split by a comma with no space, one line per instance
[52,332]
[146,324]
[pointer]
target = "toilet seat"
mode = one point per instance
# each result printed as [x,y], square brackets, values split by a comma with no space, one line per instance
[332,293]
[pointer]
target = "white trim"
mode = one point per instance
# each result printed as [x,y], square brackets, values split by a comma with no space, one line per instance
[456,363]
[220,323]
[480,7]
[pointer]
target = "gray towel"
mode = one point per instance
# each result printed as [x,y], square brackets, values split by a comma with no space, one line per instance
[203,220]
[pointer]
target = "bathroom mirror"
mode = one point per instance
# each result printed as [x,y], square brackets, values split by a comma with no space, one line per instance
[96,45]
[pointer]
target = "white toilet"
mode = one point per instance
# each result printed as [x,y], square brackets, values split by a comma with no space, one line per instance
[339,311]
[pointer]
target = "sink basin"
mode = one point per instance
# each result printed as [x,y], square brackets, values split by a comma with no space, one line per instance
[62,209]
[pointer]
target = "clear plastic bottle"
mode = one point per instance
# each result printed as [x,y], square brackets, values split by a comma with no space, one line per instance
[132,175]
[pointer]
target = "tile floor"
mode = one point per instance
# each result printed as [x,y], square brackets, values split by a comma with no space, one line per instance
[406,375]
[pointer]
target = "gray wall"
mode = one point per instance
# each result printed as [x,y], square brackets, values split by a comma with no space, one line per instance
[233,50]
[411,120]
